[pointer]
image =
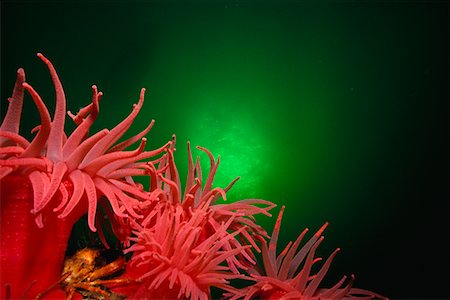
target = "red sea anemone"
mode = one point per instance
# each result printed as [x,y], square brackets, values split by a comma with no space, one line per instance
[176,263]
[289,275]
[213,239]
[49,183]
[167,189]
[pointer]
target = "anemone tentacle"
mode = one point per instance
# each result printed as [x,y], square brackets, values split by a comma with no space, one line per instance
[11,122]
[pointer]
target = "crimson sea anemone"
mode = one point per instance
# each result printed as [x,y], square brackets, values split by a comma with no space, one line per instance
[49,183]
[289,275]
[175,262]
[167,189]
[225,231]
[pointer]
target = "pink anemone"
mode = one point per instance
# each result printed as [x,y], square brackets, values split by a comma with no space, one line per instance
[49,183]
[289,276]
[196,214]
[198,193]
[171,260]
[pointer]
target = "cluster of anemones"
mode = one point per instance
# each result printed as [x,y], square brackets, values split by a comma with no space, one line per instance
[181,243]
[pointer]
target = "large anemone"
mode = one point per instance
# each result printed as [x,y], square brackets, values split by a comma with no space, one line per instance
[48,183]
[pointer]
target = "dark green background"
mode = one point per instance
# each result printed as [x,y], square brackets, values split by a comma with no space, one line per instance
[337,110]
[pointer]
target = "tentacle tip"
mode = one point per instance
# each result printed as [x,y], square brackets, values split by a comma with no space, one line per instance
[42,57]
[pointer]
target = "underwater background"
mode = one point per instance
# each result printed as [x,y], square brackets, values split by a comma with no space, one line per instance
[338,110]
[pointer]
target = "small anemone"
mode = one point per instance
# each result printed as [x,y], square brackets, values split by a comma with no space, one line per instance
[288,275]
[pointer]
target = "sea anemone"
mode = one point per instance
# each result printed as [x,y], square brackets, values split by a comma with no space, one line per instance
[288,275]
[195,210]
[174,262]
[167,189]
[59,178]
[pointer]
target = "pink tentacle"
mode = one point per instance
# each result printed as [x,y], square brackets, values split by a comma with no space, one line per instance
[305,249]
[102,146]
[55,139]
[74,160]
[11,122]
[302,278]
[83,112]
[38,163]
[129,189]
[274,239]
[121,173]
[11,150]
[128,202]
[283,273]
[132,140]
[59,170]
[226,189]
[190,176]
[78,190]
[81,131]
[106,190]
[39,182]
[16,138]
[174,194]
[64,197]
[95,165]
[212,169]
[342,292]
[37,145]
[174,176]
[91,194]
[314,284]
[129,163]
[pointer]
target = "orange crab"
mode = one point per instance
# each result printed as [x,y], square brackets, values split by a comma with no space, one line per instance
[84,272]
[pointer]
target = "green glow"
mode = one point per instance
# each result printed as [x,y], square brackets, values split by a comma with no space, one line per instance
[241,145]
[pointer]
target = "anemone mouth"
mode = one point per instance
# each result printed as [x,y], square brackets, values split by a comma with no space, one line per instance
[95,164]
